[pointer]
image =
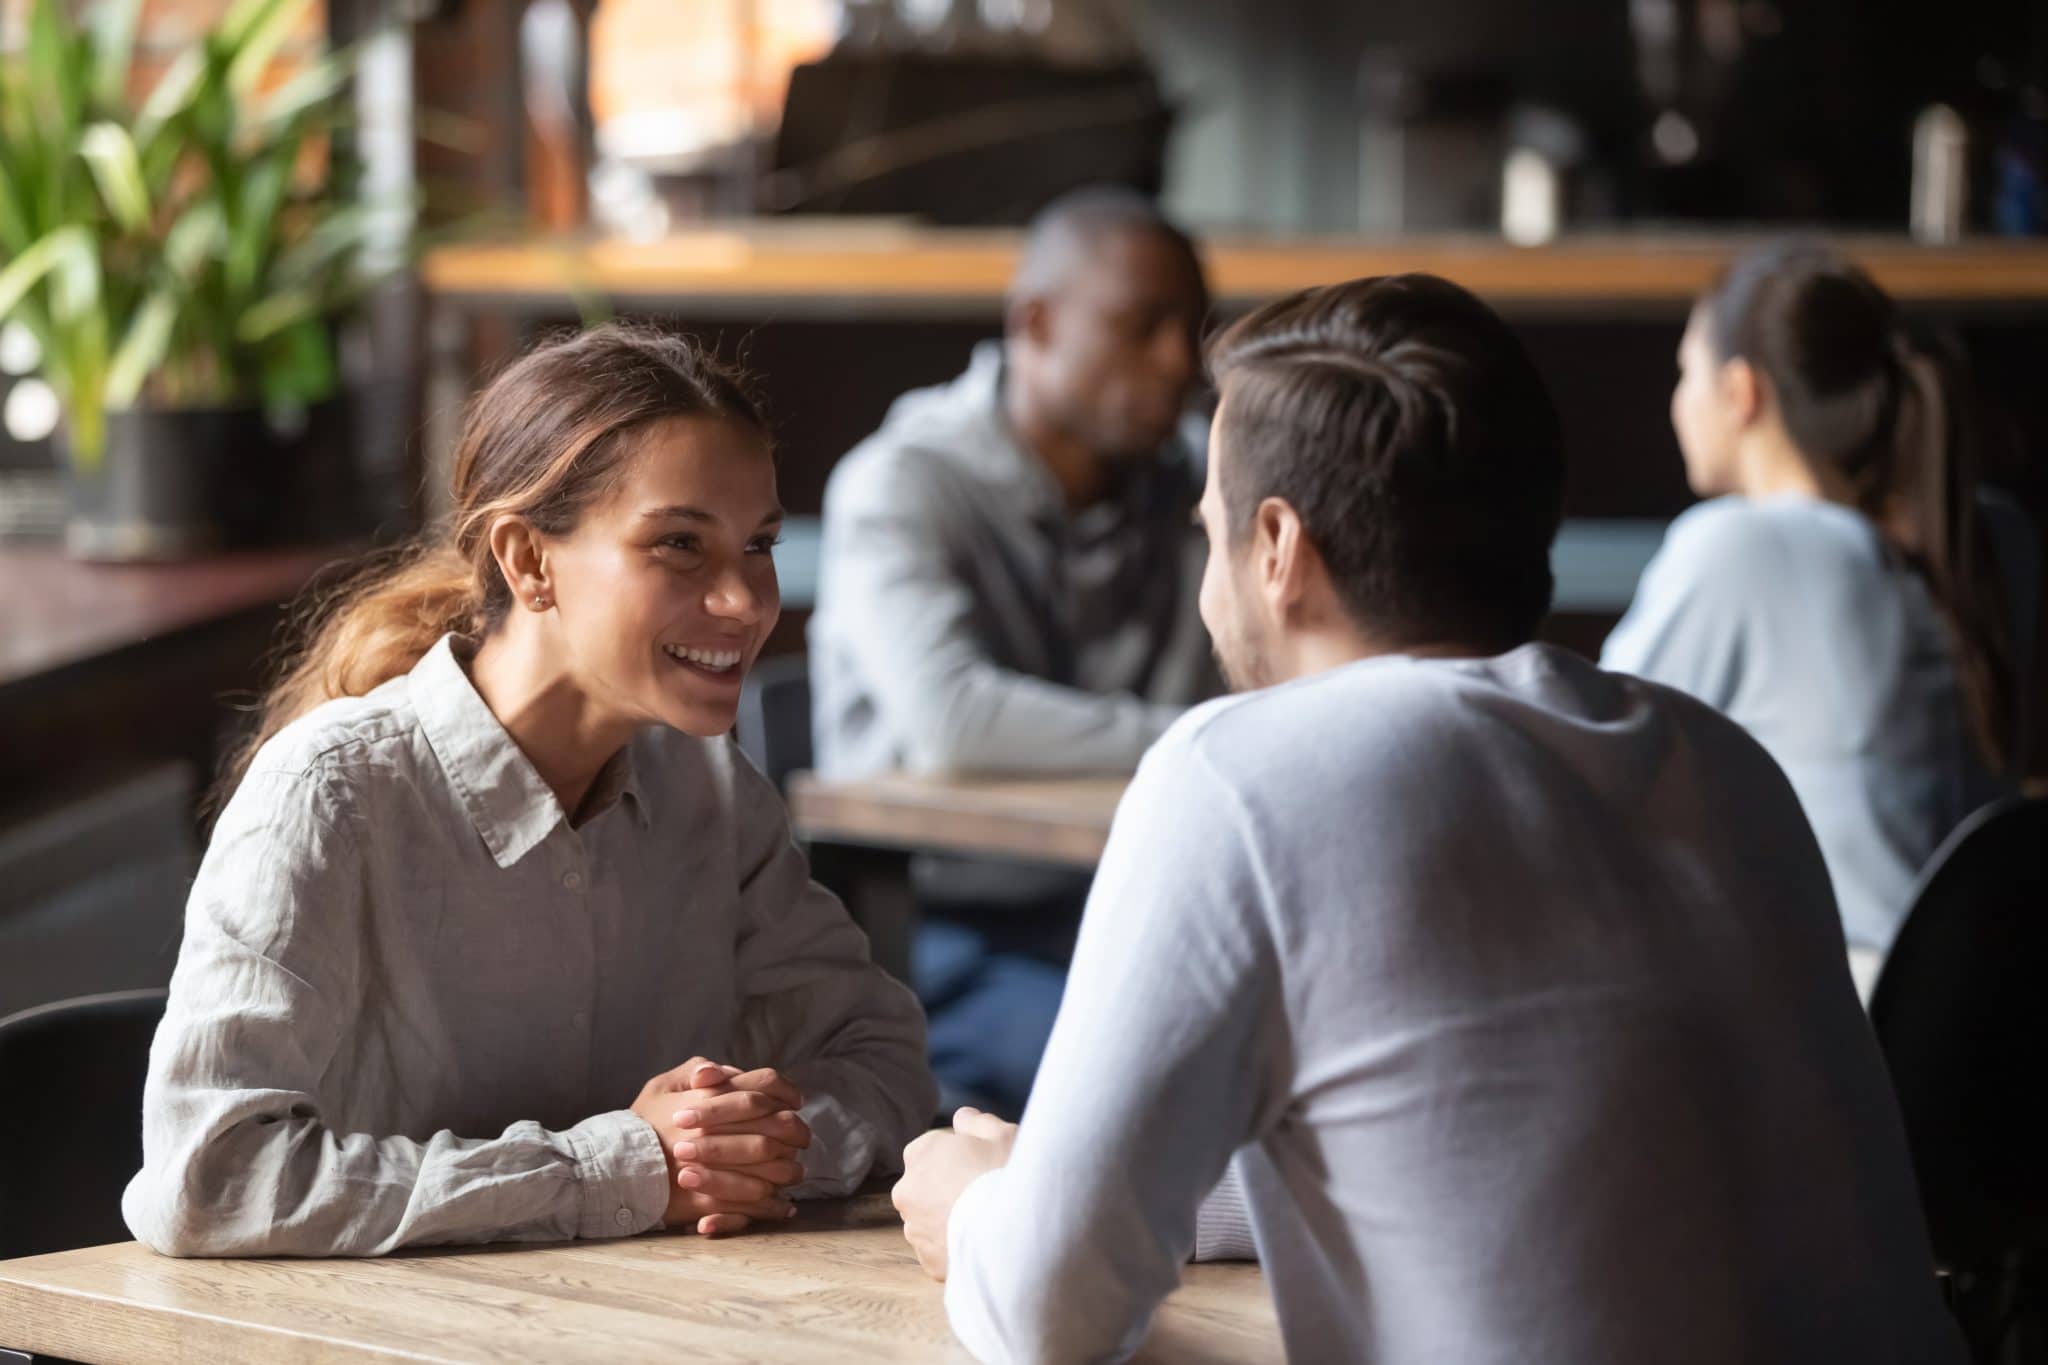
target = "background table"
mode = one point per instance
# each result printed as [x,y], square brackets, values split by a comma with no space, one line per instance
[862,835]
[837,1284]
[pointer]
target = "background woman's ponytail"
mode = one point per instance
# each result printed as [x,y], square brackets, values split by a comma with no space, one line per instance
[1886,428]
[544,441]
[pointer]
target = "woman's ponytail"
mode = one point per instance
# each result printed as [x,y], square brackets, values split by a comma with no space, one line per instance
[1934,517]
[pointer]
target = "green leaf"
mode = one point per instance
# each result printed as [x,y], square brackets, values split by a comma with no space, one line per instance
[142,349]
[312,91]
[298,366]
[59,100]
[58,250]
[199,233]
[253,30]
[253,229]
[281,310]
[172,95]
[110,154]
[15,233]
[113,43]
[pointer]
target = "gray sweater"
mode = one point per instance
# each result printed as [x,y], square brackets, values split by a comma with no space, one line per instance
[967,621]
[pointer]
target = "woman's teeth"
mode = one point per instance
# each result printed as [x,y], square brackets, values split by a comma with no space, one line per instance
[717,660]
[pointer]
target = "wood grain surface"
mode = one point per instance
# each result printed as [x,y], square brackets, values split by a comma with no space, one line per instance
[878,267]
[1063,820]
[837,1284]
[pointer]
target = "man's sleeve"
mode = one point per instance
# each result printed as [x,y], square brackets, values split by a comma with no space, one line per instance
[1166,1058]
[909,620]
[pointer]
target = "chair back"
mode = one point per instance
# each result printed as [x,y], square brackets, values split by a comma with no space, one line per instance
[774,725]
[71,1118]
[1961,1012]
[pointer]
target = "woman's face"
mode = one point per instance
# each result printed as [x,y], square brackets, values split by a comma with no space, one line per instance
[1703,413]
[666,588]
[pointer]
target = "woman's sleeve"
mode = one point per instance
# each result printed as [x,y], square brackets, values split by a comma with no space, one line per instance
[1692,623]
[812,1005]
[237,1157]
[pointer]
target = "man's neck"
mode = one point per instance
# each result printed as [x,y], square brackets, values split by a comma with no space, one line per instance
[1083,477]
[1318,651]
[562,732]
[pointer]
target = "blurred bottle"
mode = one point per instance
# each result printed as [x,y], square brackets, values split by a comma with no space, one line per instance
[1941,159]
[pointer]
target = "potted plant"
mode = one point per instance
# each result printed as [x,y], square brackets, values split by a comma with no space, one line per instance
[183,264]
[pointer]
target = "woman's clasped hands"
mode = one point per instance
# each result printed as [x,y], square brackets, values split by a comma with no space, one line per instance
[732,1141]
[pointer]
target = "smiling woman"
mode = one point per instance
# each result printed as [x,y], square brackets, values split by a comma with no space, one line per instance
[491,863]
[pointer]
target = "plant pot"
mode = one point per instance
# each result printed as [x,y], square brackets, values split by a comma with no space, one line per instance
[178,482]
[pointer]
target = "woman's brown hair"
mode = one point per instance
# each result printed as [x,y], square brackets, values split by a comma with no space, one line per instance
[544,440]
[1886,428]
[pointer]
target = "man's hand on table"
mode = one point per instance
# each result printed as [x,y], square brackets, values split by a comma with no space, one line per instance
[936,1168]
[731,1141]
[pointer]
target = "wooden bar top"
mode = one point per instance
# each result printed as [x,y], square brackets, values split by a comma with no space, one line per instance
[838,1283]
[56,612]
[1054,820]
[864,266]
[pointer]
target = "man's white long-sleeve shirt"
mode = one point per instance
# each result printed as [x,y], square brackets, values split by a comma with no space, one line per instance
[1521,989]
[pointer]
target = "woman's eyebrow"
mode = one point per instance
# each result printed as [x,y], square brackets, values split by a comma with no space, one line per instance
[685,513]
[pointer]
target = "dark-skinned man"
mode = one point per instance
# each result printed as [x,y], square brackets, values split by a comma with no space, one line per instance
[1009,586]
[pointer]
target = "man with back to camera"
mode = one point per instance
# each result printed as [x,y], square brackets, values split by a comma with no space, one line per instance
[1515,987]
[1009,586]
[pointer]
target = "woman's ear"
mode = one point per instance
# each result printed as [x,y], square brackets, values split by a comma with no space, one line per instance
[516,545]
[1742,392]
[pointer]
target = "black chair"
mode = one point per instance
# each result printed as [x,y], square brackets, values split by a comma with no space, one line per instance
[71,1118]
[774,725]
[1961,1012]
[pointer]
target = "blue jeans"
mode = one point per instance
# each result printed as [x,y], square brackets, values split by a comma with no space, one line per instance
[990,971]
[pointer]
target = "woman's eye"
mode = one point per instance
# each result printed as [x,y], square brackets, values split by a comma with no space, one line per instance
[763,545]
[685,543]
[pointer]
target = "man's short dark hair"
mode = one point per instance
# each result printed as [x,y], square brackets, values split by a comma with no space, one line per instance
[1404,423]
[1073,226]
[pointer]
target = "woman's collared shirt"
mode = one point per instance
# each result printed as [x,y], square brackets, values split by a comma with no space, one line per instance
[413,1004]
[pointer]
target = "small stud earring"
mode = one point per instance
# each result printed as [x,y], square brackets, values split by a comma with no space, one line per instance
[540,603]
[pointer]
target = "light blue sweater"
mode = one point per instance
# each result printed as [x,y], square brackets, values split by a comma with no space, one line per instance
[1791,616]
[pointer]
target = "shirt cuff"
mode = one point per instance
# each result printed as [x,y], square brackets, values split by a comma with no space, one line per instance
[621,1175]
[842,1153]
[966,1212]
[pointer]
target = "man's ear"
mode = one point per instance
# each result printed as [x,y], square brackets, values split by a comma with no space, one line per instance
[1742,391]
[522,559]
[1028,318]
[1286,561]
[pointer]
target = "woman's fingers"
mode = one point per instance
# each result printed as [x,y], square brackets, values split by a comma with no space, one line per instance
[700,1110]
[743,1149]
[729,1187]
[786,1128]
[721,1224]
[693,1205]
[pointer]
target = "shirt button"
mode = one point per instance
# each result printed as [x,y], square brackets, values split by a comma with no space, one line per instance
[573,880]
[625,1218]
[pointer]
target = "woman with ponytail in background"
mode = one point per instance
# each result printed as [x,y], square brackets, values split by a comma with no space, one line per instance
[490,865]
[1837,595]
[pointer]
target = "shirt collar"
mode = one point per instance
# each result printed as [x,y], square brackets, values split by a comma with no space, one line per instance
[512,807]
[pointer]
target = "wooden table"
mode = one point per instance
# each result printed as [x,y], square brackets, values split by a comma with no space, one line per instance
[837,1284]
[862,835]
